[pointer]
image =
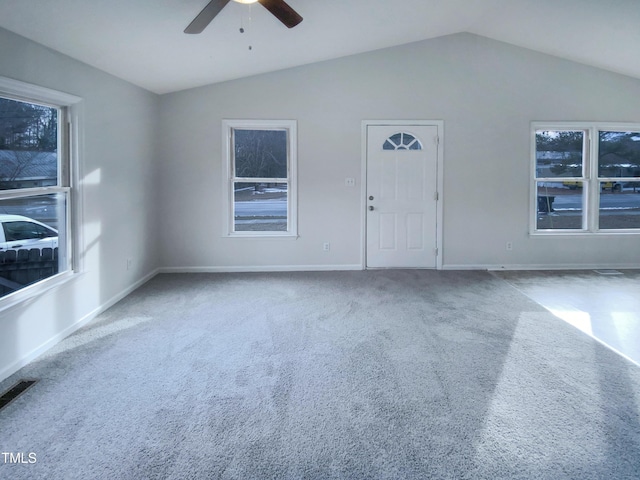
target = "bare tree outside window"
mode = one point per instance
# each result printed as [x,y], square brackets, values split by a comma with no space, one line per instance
[28,145]
[260,153]
[587,178]
[33,204]
[261,182]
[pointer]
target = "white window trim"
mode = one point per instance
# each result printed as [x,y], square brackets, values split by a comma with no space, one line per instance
[591,189]
[69,134]
[292,177]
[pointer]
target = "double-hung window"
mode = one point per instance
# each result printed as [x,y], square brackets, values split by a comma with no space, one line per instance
[586,178]
[260,184]
[35,189]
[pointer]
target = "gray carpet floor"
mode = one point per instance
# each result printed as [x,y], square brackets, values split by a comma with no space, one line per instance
[405,374]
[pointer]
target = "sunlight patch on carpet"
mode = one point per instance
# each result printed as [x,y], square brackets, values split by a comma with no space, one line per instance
[518,408]
[577,318]
[88,335]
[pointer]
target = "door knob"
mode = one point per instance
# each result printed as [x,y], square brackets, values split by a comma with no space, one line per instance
[370,197]
[371,208]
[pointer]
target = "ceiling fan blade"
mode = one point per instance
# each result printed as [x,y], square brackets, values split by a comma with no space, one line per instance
[207,14]
[282,11]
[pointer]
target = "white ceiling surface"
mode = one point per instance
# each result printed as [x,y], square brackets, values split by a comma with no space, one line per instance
[142,41]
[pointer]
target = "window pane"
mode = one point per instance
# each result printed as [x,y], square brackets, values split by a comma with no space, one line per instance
[388,145]
[559,206]
[32,240]
[402,141]
[619,154]
[619,206]
[260,207]
[559,153]
[260,153]
[17,230]
[396,139]
[28,145]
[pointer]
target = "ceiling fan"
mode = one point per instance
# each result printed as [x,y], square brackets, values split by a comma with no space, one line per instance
[279,8]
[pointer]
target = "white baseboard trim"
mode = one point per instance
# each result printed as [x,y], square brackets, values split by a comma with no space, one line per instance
[261,268]
[36,352]
[566,266]
[349,267]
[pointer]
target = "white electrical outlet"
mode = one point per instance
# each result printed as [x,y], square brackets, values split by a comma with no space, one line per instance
[326,246]
[509,245]
[350,182]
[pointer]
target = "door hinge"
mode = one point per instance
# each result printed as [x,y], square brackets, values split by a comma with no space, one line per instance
[436,196]
[435,252]
[436,140]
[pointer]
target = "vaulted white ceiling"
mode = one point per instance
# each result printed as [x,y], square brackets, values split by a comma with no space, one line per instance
[142,41]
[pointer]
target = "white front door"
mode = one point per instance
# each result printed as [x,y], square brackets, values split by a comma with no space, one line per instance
[402,171]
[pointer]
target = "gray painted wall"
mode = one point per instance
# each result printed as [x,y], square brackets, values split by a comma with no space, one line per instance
[486,92]
[152,165]
[118,163]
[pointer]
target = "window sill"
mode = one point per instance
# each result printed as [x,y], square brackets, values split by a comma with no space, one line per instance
[37,290]
[583,233]
[290,236]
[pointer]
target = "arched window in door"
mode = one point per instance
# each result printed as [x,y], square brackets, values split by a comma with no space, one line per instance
[402,141]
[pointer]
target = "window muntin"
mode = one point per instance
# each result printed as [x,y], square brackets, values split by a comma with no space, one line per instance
[560,155]
[572,193]
[34,194]
[261,159]
[402,141]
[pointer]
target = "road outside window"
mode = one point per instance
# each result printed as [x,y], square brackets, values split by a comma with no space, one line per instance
[261,159]
[586,179]
[33,195]
[619,163]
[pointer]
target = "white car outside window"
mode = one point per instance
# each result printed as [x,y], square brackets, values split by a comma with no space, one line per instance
[18,233]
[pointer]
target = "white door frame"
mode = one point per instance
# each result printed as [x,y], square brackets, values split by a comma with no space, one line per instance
[440,183]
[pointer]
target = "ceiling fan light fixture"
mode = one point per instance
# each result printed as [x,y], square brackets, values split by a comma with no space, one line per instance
[278,8]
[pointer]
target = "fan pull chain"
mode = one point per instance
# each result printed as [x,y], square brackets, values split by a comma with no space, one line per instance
[250,12]
[242,30]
